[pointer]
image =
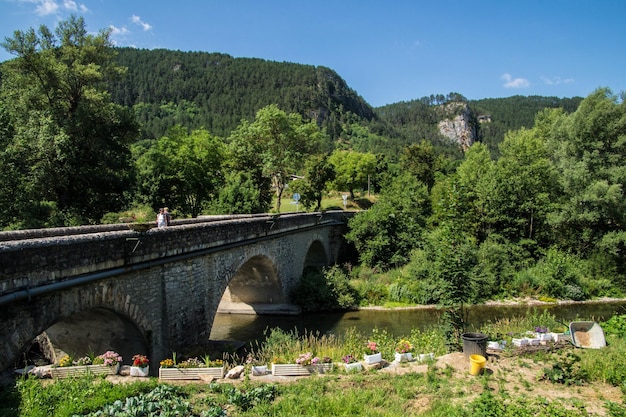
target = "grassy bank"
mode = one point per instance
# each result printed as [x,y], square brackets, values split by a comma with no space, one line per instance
[548,382]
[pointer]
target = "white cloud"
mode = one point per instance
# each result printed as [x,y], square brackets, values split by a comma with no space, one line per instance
[556,80]
[510,82]
[74,7]
[118,31]
[46,7]
[137,20]
[50,7]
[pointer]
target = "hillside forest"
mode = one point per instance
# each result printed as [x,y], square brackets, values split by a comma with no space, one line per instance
[90,133]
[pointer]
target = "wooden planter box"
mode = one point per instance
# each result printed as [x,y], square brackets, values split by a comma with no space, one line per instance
[190,373]
[321,368]
[289,369]
[72,371]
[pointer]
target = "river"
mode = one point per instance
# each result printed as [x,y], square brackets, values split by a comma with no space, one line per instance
[397,322]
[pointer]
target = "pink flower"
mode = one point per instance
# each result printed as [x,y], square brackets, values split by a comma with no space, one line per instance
[372,346]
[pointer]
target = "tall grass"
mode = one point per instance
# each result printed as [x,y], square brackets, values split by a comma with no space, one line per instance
[282,346]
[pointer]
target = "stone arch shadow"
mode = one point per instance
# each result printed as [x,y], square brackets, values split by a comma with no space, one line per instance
[98,320]
[255,288]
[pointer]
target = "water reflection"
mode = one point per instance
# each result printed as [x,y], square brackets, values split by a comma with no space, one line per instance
[246,328]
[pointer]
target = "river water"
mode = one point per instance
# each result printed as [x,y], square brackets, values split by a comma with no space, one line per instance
[397,322]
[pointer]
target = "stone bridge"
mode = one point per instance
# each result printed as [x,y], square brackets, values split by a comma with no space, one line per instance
[95,288]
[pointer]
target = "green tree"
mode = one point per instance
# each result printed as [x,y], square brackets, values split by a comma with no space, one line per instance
[386,234]
[69,144]
[352,169]
[421,161]
[240,195]
[182,170]
[318,173]
[463,198]
[588,148]
[278,142]
[524,188]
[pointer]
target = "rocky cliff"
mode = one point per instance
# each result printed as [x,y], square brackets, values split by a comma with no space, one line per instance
[457,124]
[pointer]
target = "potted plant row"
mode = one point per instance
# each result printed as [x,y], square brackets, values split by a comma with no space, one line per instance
[192,368]
[106,364]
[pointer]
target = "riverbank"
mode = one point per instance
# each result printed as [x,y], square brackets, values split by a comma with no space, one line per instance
[526,301]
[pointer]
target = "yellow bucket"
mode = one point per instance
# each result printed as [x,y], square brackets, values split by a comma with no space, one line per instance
[477,364]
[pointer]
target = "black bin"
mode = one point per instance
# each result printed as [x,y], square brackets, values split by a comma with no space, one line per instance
[474,344]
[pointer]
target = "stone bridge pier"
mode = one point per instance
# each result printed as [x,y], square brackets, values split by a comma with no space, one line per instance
[156,292]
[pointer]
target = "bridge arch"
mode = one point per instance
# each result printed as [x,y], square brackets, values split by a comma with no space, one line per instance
[83,320]
[316,255]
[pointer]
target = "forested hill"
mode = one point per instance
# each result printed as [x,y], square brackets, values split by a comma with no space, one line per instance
[217,91]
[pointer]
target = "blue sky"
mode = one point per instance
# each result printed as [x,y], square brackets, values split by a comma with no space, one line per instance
[396,51]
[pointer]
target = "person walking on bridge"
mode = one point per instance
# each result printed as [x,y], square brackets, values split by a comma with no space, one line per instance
[161,219]
[168,216]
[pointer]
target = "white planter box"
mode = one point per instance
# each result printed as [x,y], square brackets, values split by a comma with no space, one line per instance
[140,371]
[289,369]
[423,357]
[258,370]
[353,367]
[544,337]
[71,371]
[403,357]
[190,373]
[371,359]
[520,342]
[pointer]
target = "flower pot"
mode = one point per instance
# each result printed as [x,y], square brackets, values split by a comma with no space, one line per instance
[544,337]
[403,357]
[353,367]
[423,357]
[190,373]
[71,371]
[371,359]
[289,369]
[140,371]
[258,370]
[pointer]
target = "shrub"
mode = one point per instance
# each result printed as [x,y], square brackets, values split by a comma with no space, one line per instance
[325,290]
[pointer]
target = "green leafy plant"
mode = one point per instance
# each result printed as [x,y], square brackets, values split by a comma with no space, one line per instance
[246,399]
[404,346]
[616,325]
[566,371]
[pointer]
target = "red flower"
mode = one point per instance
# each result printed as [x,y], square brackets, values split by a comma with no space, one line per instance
[140,361]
